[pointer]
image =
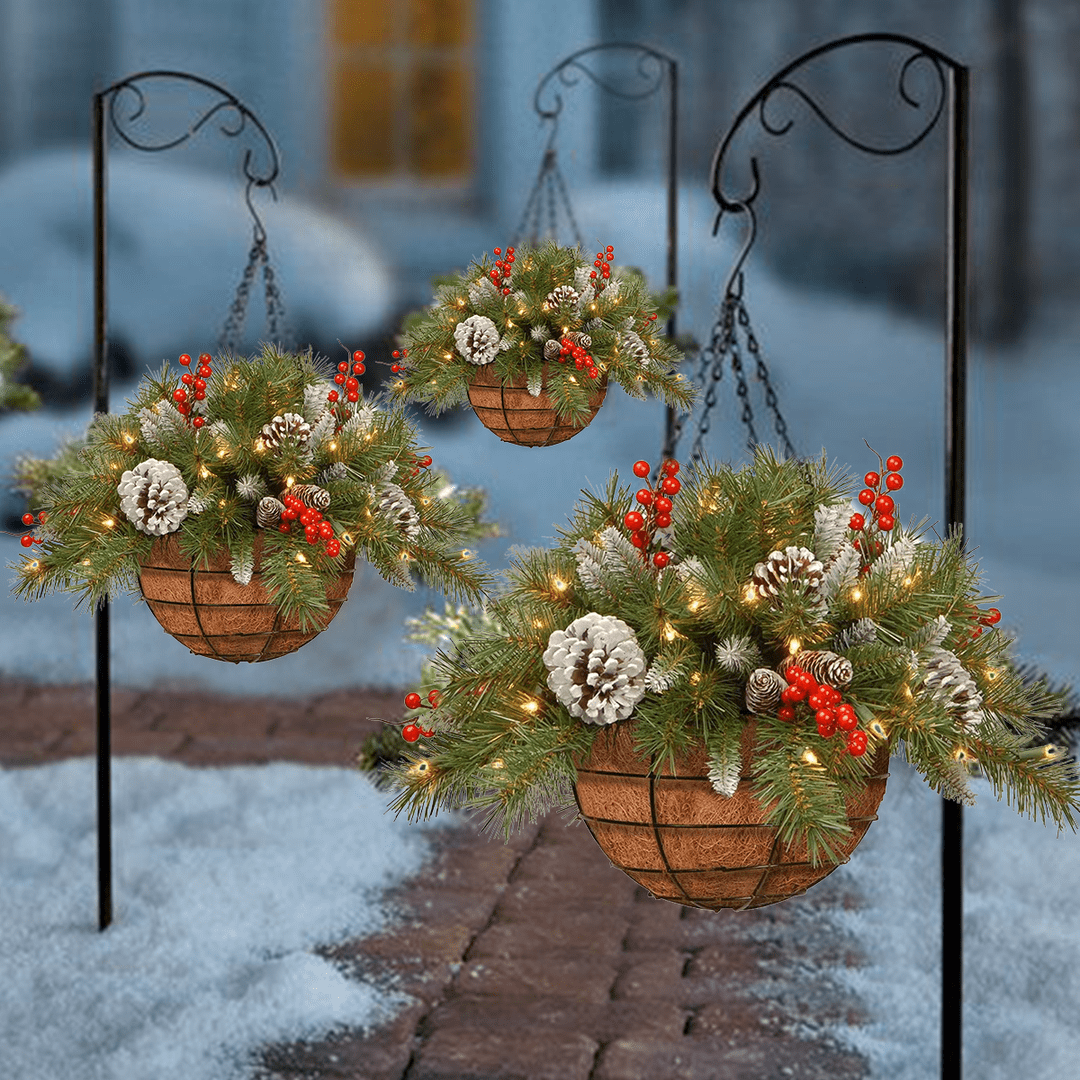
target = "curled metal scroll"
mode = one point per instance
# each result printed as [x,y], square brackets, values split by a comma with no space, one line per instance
[550,190]
[233,108]
[920,54]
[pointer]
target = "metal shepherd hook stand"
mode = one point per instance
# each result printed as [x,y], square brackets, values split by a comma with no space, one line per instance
[549,193]
[952,99]
[238,116]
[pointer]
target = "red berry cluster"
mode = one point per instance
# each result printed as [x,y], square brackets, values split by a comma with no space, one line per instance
[348,379]
[880,504]
[656,504]
[412,731]
[420,463]
[196,383]
[827,703]
[602,262]
[500,275]
[990,617]
[398,354]
[315,528]
[571,350]
[27,539]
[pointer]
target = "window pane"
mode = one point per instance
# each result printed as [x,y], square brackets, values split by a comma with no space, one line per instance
[363,22]
[440,22]
[363,131]
[439,143]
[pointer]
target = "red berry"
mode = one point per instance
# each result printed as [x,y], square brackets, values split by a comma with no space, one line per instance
[333,548]
[183,410]
[663,504]
[785,713]
[185,359]
[639,540]
[792,694]
[28,519]
[885,522]
[825,716]
[200,395]
[358,356]
[663,521]
[633,520]
[857,522]
[205,358]
[343,366]
[894,463]
[871,479]
[642,468]
[856,747]
[671,485]
[204,371]
[866,496]
[509,251]
[179,394]
[395,368]
[884,504]
[339,379]
[826,731]
[645,497]
[332,396]
[592,274]
[351,384]
[187,378]
[426,733]
[806,681]
[506,292]
[352,395]
[894,481]
[410,732]
[992,616]
[283,527]
[671,467]
[200,384]
[412,701]
[793,672]
[358,369]
[498,251]
[26,540]
[815,699]
[593,373]
[326,530]
[396,353]
[433,698]
[43,517]
[661,559]
[198,421]
[425,461]
[846,720]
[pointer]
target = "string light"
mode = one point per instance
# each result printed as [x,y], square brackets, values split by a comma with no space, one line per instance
[332,446]
[695,677]
[810,757]
[128,439]
[221,453]
[260,446]
[300,557]
[669,632]
[558,584]
[290,480]
[855,594]
[530,706]
[108,522]
[794,645]
[750,594]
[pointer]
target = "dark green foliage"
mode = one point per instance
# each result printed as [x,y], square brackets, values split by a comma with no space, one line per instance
[13,395]
[506,746]
[435,372]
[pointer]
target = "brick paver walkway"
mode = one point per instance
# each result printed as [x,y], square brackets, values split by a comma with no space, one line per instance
[535,960]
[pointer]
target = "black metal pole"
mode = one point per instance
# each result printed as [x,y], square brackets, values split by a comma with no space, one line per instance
[672,228]
[952,813]
[101,615]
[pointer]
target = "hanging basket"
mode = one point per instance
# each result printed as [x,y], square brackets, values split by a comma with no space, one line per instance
[517,417]
[684,842]
[206,610]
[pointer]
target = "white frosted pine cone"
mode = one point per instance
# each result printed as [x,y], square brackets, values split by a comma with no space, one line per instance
[318,498]
[153,497]
[763,690]
[563,296]
[287,426]
[552,348]
[597,668]
[268,512]
[782,567]
[477,339]
[827,667]
[396,505]
[632,343]
[948,682]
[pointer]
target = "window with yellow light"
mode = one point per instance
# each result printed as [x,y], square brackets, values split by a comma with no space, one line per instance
[401,90]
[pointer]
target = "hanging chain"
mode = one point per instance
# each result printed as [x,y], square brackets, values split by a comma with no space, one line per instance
[232,331]
[549,183]
[724,346]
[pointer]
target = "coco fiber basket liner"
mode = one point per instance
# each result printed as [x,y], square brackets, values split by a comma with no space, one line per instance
[206,610]
[518,417]
[684,842]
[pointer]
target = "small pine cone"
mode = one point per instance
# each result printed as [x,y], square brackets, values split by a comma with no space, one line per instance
[946,679]
[633,343]
[399,508]
[268,512]
[552,348]
[289,425]
[563,295]
[477,339]
[782,567]
[826,667]
[580,338]
[312,495]
[763,690]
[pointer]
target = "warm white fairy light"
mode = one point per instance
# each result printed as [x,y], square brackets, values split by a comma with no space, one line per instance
[290,480]
[855,594]
[128,439]
[530,705]
[749,594]
[300,557]
[108,522]
[794,645]
[558,584]
[810,757]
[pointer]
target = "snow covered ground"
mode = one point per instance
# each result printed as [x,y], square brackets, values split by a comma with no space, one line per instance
[844,372]
[225,880]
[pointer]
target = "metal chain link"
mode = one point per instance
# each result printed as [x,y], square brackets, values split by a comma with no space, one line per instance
[549,182]
[723,346]
[232,332]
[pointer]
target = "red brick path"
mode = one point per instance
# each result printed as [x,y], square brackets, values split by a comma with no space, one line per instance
[535,960]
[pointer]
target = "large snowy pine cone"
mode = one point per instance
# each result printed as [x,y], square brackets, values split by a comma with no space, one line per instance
[782,567]
[597,668]
[397,506]
[289,425]
[632,343]
[154,497]
[763,690]
[946,679]
[477,339]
